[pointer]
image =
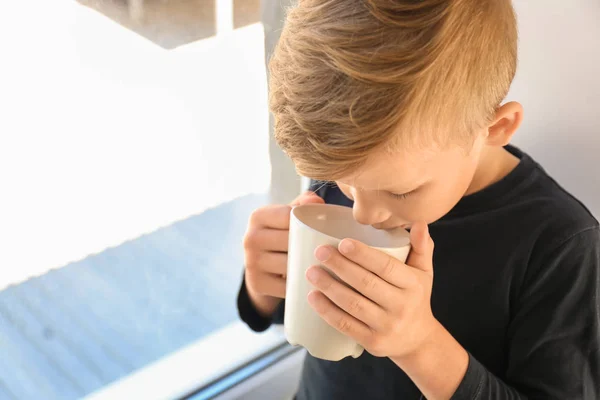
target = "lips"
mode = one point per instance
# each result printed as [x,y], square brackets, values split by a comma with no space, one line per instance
[387,227]
[390,227]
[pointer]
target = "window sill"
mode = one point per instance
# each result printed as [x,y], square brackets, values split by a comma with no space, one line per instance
[195,366]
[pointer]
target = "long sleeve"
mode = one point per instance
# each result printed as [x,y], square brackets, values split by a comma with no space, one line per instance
[251,317]
[554,335]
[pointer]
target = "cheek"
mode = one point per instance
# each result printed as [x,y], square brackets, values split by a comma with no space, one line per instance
[452,189]
[439,199]
[428,207]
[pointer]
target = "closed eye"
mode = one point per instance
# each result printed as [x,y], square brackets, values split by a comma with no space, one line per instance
[401,196]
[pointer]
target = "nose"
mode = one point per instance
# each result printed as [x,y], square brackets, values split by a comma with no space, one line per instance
[368,211]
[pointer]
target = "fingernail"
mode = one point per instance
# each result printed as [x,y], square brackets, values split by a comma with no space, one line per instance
[346,246]
[312,274]
[322,253]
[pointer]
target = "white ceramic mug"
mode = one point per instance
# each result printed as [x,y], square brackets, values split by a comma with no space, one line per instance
[311,226]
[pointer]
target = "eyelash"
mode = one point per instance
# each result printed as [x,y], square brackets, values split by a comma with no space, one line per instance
[401,196]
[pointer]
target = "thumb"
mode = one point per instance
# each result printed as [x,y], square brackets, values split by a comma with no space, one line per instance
[421,252]
[307,198]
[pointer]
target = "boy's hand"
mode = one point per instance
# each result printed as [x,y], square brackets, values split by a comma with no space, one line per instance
[265,253]
[389,312]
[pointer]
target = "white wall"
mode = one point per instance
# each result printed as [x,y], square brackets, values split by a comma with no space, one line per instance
[285,183]
[558,83]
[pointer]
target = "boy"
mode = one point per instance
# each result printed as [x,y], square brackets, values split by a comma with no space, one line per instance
[398,104]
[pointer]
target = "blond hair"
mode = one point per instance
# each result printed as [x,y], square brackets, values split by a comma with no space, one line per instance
[352,76]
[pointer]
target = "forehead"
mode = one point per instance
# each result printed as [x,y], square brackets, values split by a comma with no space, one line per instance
[398,169]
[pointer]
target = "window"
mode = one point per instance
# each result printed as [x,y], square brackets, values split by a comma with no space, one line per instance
[134,145]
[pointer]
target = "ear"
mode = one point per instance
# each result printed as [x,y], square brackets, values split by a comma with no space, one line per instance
[506,122]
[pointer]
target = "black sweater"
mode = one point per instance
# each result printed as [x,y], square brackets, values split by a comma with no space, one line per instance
[517,283]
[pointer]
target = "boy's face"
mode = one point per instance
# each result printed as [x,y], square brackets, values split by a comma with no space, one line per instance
[394,190]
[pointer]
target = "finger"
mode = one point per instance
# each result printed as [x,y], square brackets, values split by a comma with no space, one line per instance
[347,299]
[338,319]
[307,198]
[272,216]
[273,262]
[421,253]
[267,239]
[268,284]
[381,264]
[360,279]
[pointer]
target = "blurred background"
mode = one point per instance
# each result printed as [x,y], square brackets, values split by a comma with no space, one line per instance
[134,143]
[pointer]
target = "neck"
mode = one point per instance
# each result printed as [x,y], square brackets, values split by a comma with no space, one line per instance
[495,163]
